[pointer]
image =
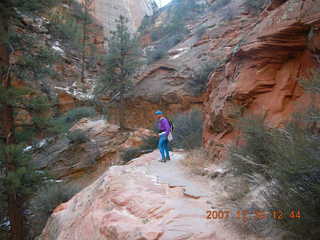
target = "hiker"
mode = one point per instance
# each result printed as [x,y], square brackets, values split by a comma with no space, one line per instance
[164,127]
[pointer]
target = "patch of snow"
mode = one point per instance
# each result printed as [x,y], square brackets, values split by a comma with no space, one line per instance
[42,143]
[5,224]
[54,180]
[27,149]
[57,47]
[179,52]
[77,94]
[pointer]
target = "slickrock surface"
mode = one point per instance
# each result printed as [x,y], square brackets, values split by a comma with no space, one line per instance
[145,200]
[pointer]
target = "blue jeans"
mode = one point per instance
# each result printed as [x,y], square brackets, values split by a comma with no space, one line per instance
[163,146]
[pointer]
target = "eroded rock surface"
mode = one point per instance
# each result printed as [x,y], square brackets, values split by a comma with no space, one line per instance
[261,75]
[145,200]
[82,163]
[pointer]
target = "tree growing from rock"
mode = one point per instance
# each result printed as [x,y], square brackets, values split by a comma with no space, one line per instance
[86,20]
[121,62]
[18,178]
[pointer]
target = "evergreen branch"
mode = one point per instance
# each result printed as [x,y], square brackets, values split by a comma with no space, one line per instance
[4,230]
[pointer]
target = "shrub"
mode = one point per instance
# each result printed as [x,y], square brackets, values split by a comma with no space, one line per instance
[148,145]
[174,28]
[197,160]
[64,123]
[77,113]
[199,33]
[67,29]
[77,137]
[155,55]
[130,154]
[312,85]
[188,130]
[45,201]
[257,136]
[288,159]
[198,84]
[255,5]
[145,23]
[162,48]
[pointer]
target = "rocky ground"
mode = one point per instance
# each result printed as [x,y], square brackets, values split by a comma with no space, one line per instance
[81,163]
[144,199]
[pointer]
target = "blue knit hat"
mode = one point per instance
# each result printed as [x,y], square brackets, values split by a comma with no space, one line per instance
[158,112]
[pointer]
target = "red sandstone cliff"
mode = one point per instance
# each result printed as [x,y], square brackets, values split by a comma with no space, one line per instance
[262,76]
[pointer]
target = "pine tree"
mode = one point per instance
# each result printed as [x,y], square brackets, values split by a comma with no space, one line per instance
[18,178]
[121,62]
[86,20]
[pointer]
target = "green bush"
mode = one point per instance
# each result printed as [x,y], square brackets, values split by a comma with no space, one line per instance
[289,161]
[77,137]
[162,48]
[255,5]
[148,145]
[146,22]
[155,55]
[198,84]
[257,136]
[188,130]
[67,29]
[45,201]
[130,154]
[172,29]
[201,31]
[64,123]
[312,85]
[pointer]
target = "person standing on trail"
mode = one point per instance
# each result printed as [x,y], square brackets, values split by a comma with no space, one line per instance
[164,131]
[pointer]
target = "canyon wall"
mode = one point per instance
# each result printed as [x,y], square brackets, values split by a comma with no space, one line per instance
[261,76]
[107,11]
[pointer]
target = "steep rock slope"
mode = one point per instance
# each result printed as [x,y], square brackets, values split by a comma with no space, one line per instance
[261,76]
[107,11]
[56,30]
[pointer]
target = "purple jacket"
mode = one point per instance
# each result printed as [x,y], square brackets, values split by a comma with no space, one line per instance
[164,126]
